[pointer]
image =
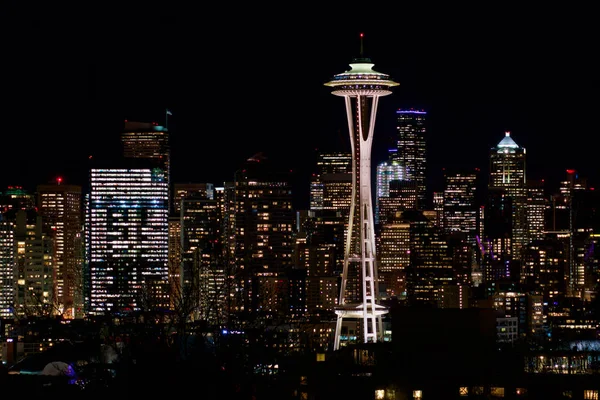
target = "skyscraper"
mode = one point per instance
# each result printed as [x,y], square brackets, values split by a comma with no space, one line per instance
[149,141]
[507,171]
[35,294]
[203,272]
[264,221]
[331,185]
[128,239]
[387,171]
[361,87]
[411,154]
[7,267]
[459,209]
[60,208]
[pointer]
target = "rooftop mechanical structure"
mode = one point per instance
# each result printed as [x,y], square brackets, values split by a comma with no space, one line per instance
[361,87]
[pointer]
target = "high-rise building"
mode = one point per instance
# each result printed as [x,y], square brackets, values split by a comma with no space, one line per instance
[331,185]
[402,196]
[536,209]
[319,251]
[174,261]
[128,238]
[16,198]
[544,268]
[460,209]
[7,267]
[507,171]
[361,87]
[149,141]
[60,207]
[225,197]
[496,242]
[34,276]
[183,190]
[202,273]
[394,255]
[264,222]
[430,267]
[411,154]
[387,171]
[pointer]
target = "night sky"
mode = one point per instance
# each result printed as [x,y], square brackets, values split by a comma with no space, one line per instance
[247,79]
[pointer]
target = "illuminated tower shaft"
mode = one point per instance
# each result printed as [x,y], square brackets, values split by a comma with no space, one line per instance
[361,88]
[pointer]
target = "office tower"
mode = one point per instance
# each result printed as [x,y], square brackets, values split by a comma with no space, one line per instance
[7,267]
[497,239]
[202,274]
[331,185]
[544,268]
[128,238]
[507,171]
[536,209]
[580,221]
[513,304]
[460,210]
[225,196]
[387,171]
[183,190]
[430,267]
[174,252]
[34,270]
[16,198]
[319,252]
[264,222]
[60,208]
[402,196]
[438,207]
[394,255]
[149,141]
[331,195]
[411,129]
[361,87]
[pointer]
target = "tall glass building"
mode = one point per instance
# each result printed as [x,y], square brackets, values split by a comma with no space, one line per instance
[411,128]
[387,171]
[507,171]
[128,239]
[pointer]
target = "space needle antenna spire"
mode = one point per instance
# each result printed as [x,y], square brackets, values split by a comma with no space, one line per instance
[362,35]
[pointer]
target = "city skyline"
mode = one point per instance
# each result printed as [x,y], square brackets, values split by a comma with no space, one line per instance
[69,102]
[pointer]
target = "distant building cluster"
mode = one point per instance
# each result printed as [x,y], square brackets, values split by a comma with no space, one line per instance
[236,255]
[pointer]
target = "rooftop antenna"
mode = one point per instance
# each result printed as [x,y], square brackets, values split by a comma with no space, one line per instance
[361,44]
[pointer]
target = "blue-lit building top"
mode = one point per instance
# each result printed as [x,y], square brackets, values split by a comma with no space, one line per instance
[128,239]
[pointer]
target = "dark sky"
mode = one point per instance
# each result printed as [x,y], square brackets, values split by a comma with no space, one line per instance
[241,79]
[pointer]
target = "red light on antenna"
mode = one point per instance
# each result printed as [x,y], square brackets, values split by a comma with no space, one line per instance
[362,34]
[570,171]
[59,180]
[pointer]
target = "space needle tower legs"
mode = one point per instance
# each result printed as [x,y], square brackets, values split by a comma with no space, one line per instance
[361,88]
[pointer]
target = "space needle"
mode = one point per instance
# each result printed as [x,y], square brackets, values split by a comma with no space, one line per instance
[361,87]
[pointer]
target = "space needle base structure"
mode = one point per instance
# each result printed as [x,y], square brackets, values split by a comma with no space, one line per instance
[360,87]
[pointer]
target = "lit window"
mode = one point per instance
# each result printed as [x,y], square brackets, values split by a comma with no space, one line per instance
[417,394]
[590,395]
[463,391]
